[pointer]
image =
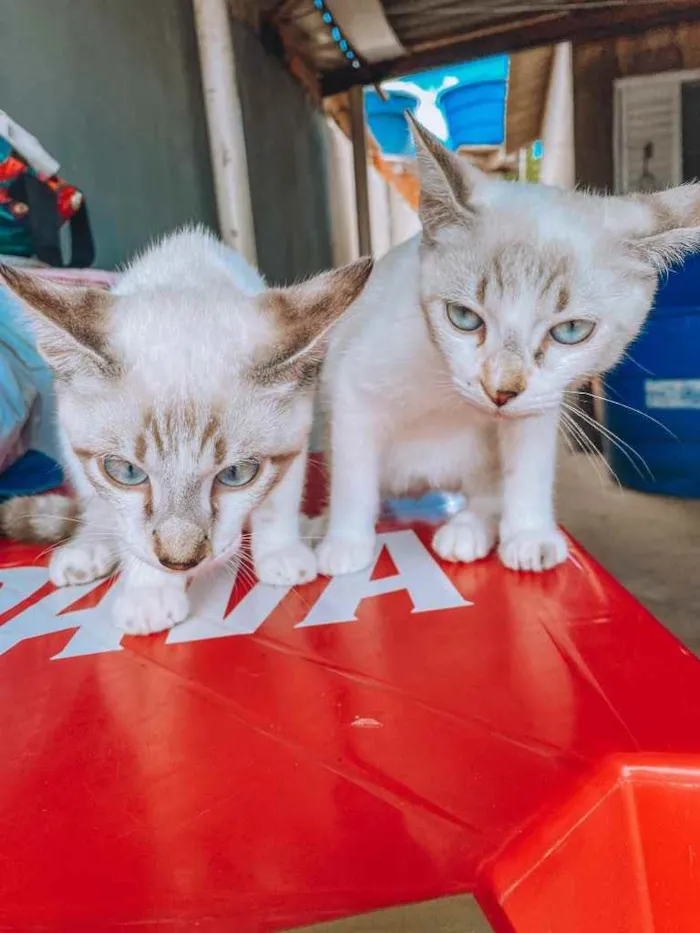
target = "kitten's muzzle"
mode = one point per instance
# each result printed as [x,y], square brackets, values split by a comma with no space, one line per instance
[503,377]
[180,545]
[500,397]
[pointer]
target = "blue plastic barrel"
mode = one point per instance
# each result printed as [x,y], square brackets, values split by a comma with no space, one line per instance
[475,113]
[387,121]
[660,376]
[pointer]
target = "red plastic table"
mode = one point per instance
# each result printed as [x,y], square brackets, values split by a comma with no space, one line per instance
[284,757]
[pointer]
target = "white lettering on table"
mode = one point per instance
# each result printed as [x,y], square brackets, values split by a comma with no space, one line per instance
[418,574]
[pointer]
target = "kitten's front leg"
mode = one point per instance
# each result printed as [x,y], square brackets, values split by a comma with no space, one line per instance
[280,556]
[149,600]
[471,534]
[92,551]
[350,541]
[530,539]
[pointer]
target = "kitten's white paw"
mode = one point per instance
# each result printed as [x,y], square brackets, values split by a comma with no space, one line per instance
[287,566]
[144,610]
[78,563]
[344,555]
[534,549]
[464,539]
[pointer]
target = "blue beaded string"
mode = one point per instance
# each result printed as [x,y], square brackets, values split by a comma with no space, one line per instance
[337,34]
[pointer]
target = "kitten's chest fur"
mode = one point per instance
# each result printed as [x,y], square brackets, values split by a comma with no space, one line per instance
[446,445]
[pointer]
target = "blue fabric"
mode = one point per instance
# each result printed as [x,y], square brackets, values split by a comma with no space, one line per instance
[31,474]
[26,384]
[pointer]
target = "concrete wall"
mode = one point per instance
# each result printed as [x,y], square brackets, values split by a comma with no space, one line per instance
[287,164]
[112,89]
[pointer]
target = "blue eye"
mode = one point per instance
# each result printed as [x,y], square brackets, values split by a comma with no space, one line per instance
[123,472]
[464,318]
[239,474]
[571,332]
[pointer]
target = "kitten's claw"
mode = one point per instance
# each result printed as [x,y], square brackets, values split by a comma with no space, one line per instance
[534,549]
[77,563]
[464,539]
[144,610]
[337,556]
[287,566]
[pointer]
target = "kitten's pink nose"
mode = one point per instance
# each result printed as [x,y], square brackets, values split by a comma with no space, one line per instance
[500,397]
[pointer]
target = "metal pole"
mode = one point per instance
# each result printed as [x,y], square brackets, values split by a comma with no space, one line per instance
[359,151]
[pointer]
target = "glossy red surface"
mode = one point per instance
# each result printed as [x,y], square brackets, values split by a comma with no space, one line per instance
[621,855]
[273,763]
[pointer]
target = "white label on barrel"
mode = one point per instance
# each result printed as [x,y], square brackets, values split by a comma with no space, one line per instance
[672,393]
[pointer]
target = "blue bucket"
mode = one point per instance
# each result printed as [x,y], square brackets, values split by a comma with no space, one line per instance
[475,113]
[387,121]
[661,377]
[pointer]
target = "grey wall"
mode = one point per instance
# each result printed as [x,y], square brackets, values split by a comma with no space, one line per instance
[286,148]
[112,89]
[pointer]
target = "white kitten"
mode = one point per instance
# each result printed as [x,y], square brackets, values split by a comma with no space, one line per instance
[185,406]
[449,371]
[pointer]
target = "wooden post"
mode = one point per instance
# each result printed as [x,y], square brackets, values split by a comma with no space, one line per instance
[522,164]
[225,123]
[359,150]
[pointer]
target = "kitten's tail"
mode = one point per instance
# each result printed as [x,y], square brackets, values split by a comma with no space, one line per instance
[45,519]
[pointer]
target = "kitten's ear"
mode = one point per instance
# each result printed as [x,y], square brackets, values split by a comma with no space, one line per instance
[658,229]
[69,323]
[305,314]
[663,250]
[446,182]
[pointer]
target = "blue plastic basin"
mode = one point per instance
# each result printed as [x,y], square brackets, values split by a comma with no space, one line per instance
[475,113]
[387,121]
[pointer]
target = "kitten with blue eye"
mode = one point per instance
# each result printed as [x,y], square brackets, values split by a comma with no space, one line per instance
[185,403]
[450,370]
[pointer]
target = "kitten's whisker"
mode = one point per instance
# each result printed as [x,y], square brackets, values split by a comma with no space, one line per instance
[561,429]
[591,454]
[64,518]
[637,411]
[48,550]
[614,441]
[622,445]
[628,355]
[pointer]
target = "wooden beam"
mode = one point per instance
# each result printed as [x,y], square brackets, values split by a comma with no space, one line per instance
[509,35]
[359,151]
